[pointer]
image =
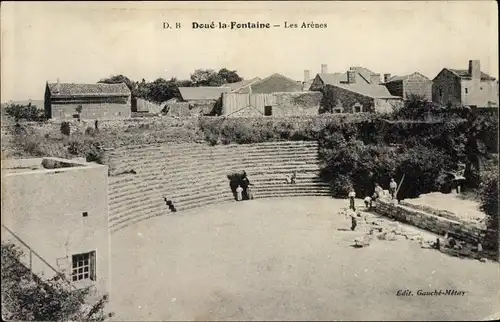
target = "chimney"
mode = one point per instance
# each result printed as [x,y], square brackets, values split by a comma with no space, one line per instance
[474,69]
[375,79]
[324,69]
[351,77]
[306,75]
[387,77]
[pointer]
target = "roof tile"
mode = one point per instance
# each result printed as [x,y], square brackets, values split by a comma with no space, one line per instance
[98,89]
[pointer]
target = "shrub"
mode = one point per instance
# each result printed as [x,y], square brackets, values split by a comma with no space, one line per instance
[94,156]
[74,147]
[90,131]
[24,112]
[341,185]
[26,297]
[65,128]
[488,192]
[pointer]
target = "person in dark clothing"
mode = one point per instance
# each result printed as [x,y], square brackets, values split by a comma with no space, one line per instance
[96,125]
[244,184]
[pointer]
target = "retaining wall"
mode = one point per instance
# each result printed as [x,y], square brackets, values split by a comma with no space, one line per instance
[467,232]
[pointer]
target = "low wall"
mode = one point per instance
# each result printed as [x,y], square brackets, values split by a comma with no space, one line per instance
[466,232]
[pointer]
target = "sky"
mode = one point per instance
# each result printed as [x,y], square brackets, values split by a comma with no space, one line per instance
[83,42]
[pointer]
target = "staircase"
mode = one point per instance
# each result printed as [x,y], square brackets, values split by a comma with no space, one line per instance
[155,180]
[30,256]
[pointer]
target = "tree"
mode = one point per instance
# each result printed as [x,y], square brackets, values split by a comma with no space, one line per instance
[209,77]
[65,128]
[24,112]
[488,192]
[229,76]
[206,77]
[162,90]
[25,297]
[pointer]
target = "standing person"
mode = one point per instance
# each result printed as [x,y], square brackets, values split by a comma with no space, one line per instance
[352,195]
[378,191]
[239,192]
[393,186]
[249,193]
[96,125]
[294,177]
[354,221]
[368,202]
[245,183]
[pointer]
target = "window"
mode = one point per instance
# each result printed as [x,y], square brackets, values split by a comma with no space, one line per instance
[83,267]
[85,214]
[466,90]
[268,110]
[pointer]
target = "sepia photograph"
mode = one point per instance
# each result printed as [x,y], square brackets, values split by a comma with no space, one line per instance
[249,160]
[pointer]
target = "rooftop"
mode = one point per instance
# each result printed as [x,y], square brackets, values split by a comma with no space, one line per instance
[400,78]
[98,89]
[202,93]
[370,90]
[241,84]
[464,73]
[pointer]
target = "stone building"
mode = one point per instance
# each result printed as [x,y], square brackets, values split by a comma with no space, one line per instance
[87,101]
[404,86]
[355,91]
[196,101]
[465,87]
[272,104]
[56,211]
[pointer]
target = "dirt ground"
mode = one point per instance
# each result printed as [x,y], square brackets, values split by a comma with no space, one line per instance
[463,208]
[285,259]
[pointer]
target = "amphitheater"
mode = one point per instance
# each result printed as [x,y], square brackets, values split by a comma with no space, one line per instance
[286,255]
[194,175]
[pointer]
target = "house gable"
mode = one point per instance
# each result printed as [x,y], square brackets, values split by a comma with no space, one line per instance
[276,83]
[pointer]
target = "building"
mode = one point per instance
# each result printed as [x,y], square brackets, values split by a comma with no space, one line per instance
[276,83]
[202,94]
[87,101]
[465,87]
[242,87]
[272,104]
[355,91]
[405,86]
[140,105]
[196,101]
[56,211]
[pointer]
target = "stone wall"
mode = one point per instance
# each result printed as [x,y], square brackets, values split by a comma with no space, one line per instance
[446,89]
[306,103]
[417,85]
[463,231]
[281,104]
[91,111]
[344,101]
[191,108]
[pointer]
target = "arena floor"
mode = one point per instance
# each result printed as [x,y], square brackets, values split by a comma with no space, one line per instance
[285,259]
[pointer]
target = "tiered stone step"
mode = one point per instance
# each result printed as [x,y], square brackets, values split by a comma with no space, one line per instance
[132,200]
[195,175]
